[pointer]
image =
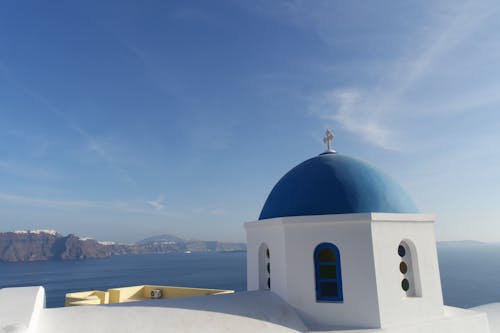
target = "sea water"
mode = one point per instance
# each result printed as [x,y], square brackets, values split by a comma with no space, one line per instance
[200,270]
[470,275]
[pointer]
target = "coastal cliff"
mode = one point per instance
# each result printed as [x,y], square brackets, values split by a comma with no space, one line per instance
[42,245]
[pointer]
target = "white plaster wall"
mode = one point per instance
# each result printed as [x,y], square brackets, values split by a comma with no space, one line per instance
[20,308]
[455,320]
[272,234]
[38,307]
[352,235]
[371,279]
[292,241]
[388,230]
[247,312]
[252,260]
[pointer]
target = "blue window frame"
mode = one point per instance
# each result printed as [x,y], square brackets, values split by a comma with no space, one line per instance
[328,273]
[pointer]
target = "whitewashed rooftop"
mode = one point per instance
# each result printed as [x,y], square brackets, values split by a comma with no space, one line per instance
[22,310]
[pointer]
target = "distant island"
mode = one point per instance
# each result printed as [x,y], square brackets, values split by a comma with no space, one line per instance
[42,245]
[462,243]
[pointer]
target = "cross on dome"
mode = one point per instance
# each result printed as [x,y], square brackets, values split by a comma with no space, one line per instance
[328,141]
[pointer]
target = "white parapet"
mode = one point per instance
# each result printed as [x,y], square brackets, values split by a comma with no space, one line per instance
[20,308]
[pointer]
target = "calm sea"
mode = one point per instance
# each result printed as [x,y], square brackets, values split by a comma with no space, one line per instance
[470,275]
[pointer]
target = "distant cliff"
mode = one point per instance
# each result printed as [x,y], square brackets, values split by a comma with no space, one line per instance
[43,245]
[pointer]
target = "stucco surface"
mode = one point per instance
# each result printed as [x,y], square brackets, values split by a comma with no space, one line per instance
[493,312]
[258,311]
[20,308]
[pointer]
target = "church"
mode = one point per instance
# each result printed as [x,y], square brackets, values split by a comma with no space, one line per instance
[338,247]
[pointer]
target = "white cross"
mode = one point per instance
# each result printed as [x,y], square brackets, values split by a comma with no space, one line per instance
[328,141]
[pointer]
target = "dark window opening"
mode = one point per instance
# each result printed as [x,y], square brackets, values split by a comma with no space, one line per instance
[328,273]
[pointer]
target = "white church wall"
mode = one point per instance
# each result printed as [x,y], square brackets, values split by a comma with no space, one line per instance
[352,236]
[370,267]
[396,307]
[270,233]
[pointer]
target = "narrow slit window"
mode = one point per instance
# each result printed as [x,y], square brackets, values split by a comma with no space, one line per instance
[264,267]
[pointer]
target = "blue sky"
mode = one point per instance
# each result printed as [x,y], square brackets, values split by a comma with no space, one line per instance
[122,119]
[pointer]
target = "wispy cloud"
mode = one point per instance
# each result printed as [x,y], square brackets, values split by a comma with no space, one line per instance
[158,204]
[447,31]
[155,66]
[91,143]
[104,150]
[10,76]
[151,208]
[371,112]
[196,120]
[348,108]
[48,203]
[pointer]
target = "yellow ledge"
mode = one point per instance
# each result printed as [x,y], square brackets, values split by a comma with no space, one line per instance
[136,293]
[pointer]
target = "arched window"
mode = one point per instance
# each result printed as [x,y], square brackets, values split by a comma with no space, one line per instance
[408,267]
[328,273]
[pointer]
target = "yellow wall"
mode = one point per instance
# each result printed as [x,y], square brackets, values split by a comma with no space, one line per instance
[118,295]
[135,293]
[87,297]
[176,292]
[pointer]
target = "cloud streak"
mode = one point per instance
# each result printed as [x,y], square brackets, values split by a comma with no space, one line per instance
[101,149]
[371,112]
[348,108]
[92,143]
[135,207]
[48,203]
[158,204]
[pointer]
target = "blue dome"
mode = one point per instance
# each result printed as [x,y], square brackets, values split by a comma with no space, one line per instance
[335,184]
